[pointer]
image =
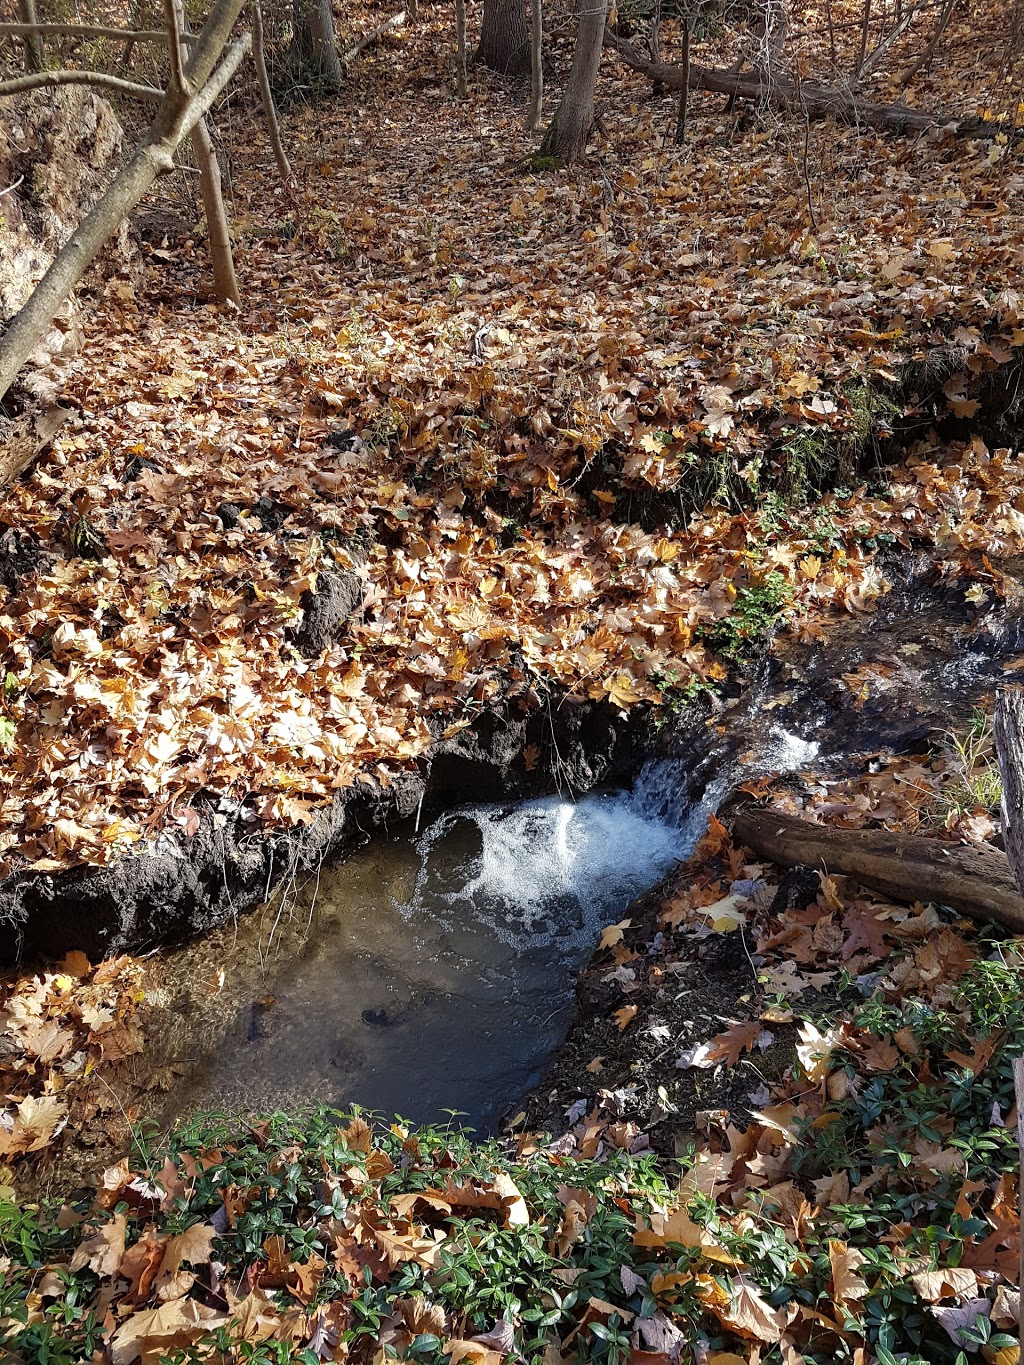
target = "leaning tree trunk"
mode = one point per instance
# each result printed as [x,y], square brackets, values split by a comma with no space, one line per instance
[313,55]
[1010,748]
[566,138]
[504,39]
[181,107]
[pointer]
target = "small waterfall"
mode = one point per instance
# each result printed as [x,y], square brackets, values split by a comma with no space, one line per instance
[554,868]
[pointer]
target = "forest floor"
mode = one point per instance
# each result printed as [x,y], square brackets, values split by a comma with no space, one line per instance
[567,428]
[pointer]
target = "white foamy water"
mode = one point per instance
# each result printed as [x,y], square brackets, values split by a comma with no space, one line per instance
[436,971]
[553,867]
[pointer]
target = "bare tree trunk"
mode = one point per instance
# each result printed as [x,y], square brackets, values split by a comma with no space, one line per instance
[460,44]
[314,51]
[504,44]
[929,52]
[831,33]
[225,282]
[178,114]
[34,58]
[864,28]
[566,137]
[1009,729]
[684,89]
[533,117]
[267,95]
[655,46]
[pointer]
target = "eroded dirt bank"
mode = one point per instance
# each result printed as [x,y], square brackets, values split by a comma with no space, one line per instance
[182,884]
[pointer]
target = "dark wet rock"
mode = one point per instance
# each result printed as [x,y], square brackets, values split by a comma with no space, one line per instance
[798,888]
[325,611]
[19,555]
[270,513]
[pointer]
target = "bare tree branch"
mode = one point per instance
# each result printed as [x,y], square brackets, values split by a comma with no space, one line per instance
[156,35]
[39,80]
[173,24]
[389,26]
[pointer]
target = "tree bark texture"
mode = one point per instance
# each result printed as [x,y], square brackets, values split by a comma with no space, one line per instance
[976,881]
[504,40]
[218,234]
[313,55]
[178,114]
[817,101]
[566,137]
[1009,728]
[267,95]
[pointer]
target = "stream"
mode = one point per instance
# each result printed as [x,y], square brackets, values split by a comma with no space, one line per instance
[430,972]
[433,971]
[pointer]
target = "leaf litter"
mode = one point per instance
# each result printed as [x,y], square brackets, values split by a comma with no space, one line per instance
[456,434]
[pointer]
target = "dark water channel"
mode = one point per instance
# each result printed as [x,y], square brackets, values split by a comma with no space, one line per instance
[429,972]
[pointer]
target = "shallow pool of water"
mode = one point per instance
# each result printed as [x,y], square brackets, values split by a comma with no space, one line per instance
[430,972]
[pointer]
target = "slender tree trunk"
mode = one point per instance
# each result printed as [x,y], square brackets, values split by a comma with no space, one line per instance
[34,58]
[566,137]
[313,55]
[179,112]
[926,56]
[225,282]
[864,30]
[684,90]
[218,234]
[533,117]
[267,95]
[504,42]
[460,46]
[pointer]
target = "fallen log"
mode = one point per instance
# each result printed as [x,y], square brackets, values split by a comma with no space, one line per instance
[389,26]
[976,881]
[810,98]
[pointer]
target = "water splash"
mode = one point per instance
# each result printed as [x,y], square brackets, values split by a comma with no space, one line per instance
[438,968]
[553,867]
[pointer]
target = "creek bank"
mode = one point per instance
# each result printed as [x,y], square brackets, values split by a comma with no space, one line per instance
[178,885]
[891,683]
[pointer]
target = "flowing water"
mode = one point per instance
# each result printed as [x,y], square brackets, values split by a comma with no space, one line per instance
[434,970]
[431,971]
